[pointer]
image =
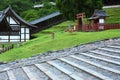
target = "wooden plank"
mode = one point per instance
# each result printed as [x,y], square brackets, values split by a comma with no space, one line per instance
[96,64]
[11,75]
[90,71]
[69,73]
[30,75]
[47,72]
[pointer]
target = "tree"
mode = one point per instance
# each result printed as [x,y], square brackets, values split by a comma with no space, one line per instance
[18,5]
[70,8]
[30,15]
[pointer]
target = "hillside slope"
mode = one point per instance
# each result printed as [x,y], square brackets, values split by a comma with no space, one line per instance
[43,41]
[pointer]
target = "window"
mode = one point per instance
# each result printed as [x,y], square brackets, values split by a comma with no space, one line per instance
[101,20]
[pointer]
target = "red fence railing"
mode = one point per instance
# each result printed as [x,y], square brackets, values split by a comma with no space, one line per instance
[98,27]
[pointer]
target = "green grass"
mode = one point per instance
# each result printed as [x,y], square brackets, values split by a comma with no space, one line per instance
[62,40]
[114,15]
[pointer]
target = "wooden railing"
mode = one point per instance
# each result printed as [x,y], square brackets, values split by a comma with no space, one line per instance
[4,49]
[98,27]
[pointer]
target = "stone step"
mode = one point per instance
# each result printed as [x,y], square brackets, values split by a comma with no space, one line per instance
[92,72]
[116,47]
[110,50]
[76,71]
[116,44]
[95,68]
[3,76]
[96,64]
[69,73]
[30,74]
[107,52]
[47,72]
[20,74]
[55,71]
[104,54]
[11,75]
[102,62]
[101,58]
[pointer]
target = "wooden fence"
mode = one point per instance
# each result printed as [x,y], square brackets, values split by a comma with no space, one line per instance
[99,27]
[4,49]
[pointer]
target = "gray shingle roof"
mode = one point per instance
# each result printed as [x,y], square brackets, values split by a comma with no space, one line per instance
[45,18]
[1,16]
[13,13]
[98,13]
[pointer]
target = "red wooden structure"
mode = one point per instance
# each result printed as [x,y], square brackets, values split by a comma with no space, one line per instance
[80,21]
[97,21]
[88,27]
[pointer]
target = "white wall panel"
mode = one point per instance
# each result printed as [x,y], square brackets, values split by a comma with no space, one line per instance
[3,40]
[17,38]
[22,30]
[14,40]
[22,36]
[14,37]
[27,36]
[27,30]
[3,37]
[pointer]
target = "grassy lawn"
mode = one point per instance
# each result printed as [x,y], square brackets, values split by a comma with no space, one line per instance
[62,40]
[114,15]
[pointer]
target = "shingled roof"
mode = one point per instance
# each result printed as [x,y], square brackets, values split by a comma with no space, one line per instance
[11,12]
[45,18]
[1,16]
[97,14]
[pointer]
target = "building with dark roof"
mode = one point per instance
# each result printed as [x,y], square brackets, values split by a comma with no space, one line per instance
[47,21]
[98,18]
[13,28]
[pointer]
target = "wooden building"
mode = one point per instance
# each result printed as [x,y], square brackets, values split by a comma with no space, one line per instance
[48,21]
[98,18]
[12,27]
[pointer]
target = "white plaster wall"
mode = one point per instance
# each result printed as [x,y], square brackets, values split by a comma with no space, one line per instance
[27,30]
[3,37]
[14,37]
[17,38]
[3,41]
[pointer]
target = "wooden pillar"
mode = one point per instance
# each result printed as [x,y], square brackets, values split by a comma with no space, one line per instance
[20,32]
[9,36]
[25,34]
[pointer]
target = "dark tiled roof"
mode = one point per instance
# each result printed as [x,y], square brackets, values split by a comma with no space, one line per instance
[45,18]
[98,13]
[1,16]
[13,13]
